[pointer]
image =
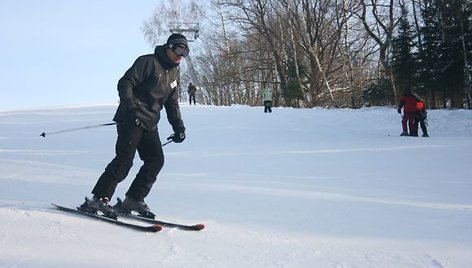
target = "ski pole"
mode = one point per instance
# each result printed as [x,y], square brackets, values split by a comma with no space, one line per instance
[75,129]
[164,144]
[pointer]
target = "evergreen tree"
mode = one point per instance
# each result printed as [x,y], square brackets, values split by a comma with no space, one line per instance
[403,57]
[429,67]
[452,52]
[293,91]
[466,35]
[442,58]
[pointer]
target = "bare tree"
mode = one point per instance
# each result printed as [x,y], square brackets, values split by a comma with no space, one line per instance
[311,52]
[323,32]
[380,17]
[169,15]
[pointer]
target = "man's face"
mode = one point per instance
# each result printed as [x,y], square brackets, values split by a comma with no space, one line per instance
[177,52]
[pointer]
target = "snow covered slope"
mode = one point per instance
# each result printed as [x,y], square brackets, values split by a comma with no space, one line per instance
[295,188]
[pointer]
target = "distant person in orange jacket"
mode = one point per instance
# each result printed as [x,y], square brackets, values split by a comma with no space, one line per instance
[408,103]
[420,117]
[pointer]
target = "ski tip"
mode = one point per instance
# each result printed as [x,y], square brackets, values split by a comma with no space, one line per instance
[199,226]
[156,227]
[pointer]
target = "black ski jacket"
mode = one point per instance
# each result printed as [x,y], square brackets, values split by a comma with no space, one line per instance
[151,83]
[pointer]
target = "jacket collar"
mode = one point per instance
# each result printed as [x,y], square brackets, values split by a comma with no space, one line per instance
[161,55]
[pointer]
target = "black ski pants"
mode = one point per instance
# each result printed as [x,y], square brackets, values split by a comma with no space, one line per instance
[131,139]
[192,97]
[422,123]
[267,106]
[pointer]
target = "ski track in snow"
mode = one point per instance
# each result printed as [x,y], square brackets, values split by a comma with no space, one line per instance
[334,196]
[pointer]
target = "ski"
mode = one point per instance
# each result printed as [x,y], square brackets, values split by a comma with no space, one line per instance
[152,228]
[186,227]
[149,218]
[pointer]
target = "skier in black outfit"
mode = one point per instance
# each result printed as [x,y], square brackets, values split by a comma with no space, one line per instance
[152,83]
[191,94]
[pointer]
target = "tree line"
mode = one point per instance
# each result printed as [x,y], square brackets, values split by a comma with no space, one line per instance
[330,53]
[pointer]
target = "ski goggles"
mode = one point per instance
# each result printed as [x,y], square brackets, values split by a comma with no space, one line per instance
[181,50]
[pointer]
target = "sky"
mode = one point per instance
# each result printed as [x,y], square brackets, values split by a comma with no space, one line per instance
[66,53]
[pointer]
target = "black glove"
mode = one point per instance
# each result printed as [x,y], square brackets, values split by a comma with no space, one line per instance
[177,137]
[399,110]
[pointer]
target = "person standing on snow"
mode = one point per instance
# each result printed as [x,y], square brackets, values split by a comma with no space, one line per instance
[420,117]
[267,99]
[150,84]
[408,103]
[191,93]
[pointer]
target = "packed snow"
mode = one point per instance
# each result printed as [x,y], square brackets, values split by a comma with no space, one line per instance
[294,188]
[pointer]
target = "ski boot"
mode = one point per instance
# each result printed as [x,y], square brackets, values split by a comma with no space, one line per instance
[130,204]
[98,204]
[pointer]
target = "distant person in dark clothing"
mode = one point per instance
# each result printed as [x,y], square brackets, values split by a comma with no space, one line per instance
[191,93]
[408,103]
[420,117]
